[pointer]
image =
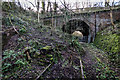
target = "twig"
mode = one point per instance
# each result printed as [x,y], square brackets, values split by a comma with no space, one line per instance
[14,26]
[82,73]
[15,29]
[31,3]
[44,71]
[66,7]
[82,69]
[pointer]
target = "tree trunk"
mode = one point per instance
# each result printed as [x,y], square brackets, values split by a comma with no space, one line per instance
[18,3]
[55,7]
[55,12]
[113,3]
[48,6]
[43,6]
[95,24]
[38,3]
[111,17]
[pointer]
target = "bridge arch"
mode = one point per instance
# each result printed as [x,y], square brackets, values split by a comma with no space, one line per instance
[78,25]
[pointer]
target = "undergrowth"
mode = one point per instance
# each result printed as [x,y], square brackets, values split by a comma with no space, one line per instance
[104,72]
[109,41]
[12,61]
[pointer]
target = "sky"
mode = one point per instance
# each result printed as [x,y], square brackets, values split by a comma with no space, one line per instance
[66,0]
[25,3]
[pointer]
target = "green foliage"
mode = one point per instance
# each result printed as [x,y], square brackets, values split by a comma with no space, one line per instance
[11,61]
[22,29]
[6,21]
[15,21]
[104,72]
[11,7]
[8,6]
[109,42]
[75,43]
[57,55]
[65,63]
[35,44]
[47,47]
[42,52]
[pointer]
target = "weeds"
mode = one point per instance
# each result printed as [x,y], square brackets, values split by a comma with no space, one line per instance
[75,43]
[104,72]
[12,61]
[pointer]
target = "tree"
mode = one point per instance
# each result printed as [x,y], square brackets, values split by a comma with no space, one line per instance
[38,4]
[111,17]
[113,2]
[55,7]
[43,6]
[48,5]
[18,3]
[83,4]
[107,3]
[76,5]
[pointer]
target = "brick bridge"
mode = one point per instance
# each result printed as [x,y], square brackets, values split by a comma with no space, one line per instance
[88,23]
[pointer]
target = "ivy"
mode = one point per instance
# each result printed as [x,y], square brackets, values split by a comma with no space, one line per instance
[108,42]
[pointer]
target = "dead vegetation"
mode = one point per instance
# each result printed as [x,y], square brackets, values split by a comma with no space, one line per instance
[30,51]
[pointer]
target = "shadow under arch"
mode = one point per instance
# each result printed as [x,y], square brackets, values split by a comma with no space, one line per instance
[78,25]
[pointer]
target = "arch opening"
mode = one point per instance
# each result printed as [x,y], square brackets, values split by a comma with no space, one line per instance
[77,25]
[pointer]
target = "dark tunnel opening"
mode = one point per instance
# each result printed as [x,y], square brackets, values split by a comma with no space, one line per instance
[84,28]
[77,25]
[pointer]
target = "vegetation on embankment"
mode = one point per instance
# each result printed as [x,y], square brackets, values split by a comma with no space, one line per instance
[96,63]
[109,41]
[28,53]
[35,53]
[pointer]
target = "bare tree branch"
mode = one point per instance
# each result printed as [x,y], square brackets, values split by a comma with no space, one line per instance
[31,3]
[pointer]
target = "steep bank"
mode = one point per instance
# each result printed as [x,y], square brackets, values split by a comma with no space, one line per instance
[108,40]
[39,52]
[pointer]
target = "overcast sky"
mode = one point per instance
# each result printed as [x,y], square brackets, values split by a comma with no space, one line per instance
[67,0]
[72,2]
